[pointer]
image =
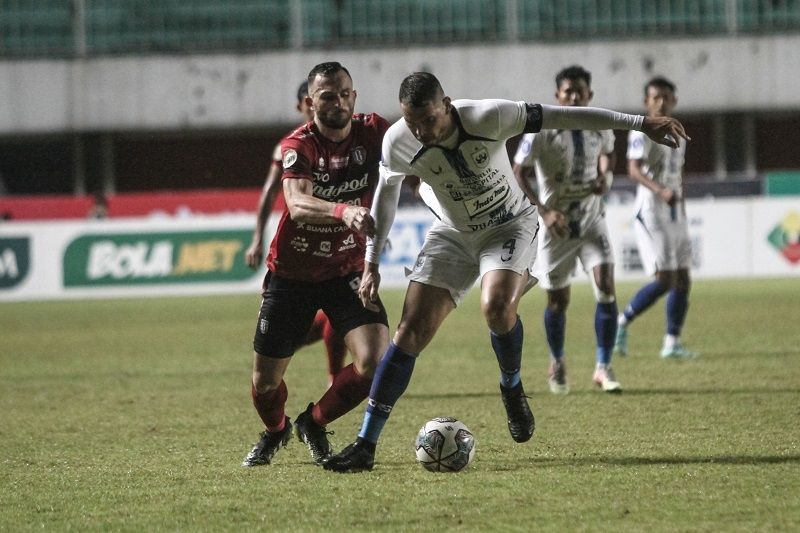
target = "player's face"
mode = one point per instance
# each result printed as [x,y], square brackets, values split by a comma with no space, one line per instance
[432,123]
[659,101]
[333,99]
[574,92]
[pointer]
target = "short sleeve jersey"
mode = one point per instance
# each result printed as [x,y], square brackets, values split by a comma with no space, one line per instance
[566,167]
[470,186]
[662,164]
[342,172]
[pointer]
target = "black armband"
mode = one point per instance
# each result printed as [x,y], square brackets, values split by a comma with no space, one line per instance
[533,122]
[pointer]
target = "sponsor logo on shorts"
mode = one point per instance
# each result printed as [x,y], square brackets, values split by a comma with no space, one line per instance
[289,158]
[263,324]
[419,263]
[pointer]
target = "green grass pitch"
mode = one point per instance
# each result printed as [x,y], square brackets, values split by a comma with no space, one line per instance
[134,415]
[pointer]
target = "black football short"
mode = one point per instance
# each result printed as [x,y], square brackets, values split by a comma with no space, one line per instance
[288,308]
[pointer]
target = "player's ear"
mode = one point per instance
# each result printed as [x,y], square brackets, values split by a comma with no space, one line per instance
[355,94]
[591,95]
[310,102]
[446,102]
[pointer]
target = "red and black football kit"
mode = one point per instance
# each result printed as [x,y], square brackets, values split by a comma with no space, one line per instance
[319,266]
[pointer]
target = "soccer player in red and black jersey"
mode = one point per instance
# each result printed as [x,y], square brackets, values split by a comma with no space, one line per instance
[271,197]
[316,260]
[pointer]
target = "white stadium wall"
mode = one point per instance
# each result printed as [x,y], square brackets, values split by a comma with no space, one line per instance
[225,90]
[756,237]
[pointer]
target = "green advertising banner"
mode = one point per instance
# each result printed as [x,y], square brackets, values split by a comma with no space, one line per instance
[122,259]
[15,260]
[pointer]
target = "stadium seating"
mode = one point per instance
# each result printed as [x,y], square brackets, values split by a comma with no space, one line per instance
[58,28]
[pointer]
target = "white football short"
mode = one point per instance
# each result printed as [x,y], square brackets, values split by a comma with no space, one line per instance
[454,260]
[555,262]
[662,236]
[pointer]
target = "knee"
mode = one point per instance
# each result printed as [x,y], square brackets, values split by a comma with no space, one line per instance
[557,303]
[263,384]
[413,336]
[500,314]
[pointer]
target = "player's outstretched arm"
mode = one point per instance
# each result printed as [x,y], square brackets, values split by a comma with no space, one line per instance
[663,130]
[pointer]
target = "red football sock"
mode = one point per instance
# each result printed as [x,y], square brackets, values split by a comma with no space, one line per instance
[349,389]
[337,349]
[270,406]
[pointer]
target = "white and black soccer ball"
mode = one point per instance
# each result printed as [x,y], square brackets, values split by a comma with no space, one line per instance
[445,445]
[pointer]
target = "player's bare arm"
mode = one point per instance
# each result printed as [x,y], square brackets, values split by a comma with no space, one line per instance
[554,220]
[666,194]
[605,175]
[370,283]
[304,207]
[255,252]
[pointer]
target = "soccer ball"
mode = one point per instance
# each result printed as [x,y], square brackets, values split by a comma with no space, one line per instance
[445,445]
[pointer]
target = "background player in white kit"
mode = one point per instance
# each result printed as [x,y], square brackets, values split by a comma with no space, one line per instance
[662,232]
[573,171]
[486,229]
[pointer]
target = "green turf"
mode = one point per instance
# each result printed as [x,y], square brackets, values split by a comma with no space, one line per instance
[135,415]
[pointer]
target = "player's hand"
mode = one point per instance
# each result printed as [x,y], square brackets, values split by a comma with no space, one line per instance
[668,196]
[598,186]
[358,219]
[555,222]
[664,130]
[253,255]
[368,290]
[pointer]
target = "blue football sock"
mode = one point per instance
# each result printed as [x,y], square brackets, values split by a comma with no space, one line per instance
[643,299]
[508,349]
[677,305]
[605,328]
[391,379]
[555,323]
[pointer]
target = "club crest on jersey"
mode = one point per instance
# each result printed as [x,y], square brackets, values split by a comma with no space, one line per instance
[359,155]
[289,158]
[480,155]
[321,163]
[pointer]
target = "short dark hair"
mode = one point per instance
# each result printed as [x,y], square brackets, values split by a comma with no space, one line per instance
[659,82]
[327,70]
[302,91]
[574,72]
[419,88]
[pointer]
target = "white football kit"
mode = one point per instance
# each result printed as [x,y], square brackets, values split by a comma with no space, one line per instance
[484,220]
[566,170]
[662,232]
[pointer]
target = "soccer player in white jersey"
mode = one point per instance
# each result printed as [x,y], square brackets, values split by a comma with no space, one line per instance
[662,232]
[486,229]
[573,171]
